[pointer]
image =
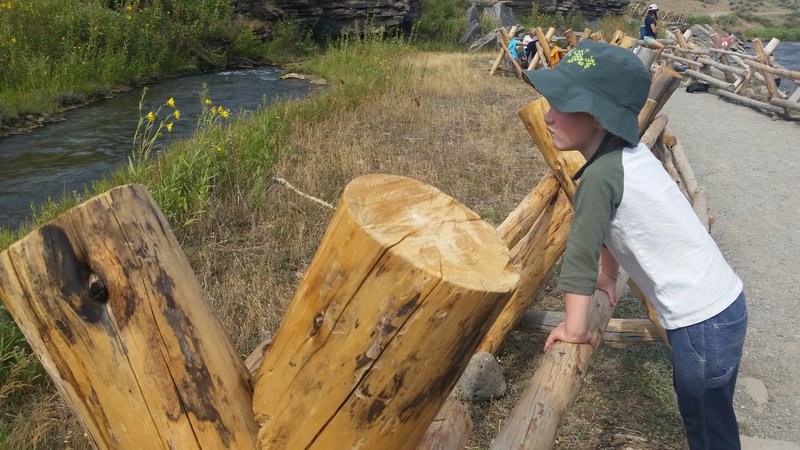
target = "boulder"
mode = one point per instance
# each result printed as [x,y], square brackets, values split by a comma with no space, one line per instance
[500,13]
[472,33]
[483,379]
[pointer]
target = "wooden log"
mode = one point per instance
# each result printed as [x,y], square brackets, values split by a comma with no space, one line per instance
[650,136]
[665,82]
[774,70]
[750,102]
[502,52]
[587,33]
[769,80]
[684,168]
[710,80]
[108,301]
[616,37]
[623,331]
[691,51]
[450,429]
[725,68]
[506,40]
[687,35]
[646,56]
[534,421]
[538,57]
[544,43]
[723,59]
[535,256]
[728,52]
[652,315]
[666,160]
[689,62]
[403,287]
[572,41]
[627,42]
[646,113]
[597,36]
[521,219]
[779,102]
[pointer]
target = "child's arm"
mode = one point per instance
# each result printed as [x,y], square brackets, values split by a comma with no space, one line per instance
[607,278]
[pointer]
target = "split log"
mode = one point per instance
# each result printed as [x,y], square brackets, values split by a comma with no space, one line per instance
[502,53]
[750,102]
[534,422]
[769,81]
[684,168]
[587,33]
[710,80]
[404,286]
[108,301]
[774,70]
[623,331]
[572,41]
[450,430]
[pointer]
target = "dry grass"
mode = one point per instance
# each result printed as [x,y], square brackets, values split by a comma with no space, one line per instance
[447,123]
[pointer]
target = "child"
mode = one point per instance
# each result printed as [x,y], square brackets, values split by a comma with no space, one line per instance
[628,212]
[651,30]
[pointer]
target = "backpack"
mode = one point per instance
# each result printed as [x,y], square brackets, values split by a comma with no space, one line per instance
[641,32]
[697,86]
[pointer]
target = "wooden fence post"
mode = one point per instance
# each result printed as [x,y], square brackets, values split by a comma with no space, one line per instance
[405,284]
[109,303]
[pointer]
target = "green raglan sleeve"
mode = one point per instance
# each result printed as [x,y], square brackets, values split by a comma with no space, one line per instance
[596,200]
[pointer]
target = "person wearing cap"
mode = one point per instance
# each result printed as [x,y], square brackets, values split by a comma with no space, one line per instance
[651,30]
[629,213]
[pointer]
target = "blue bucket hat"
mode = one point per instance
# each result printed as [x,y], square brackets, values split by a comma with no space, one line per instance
[603,80]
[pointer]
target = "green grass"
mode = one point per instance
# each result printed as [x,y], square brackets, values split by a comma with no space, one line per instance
[57,51]
[782,33]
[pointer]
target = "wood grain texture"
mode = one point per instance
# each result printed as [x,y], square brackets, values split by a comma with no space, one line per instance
[403,287]
[621,331]
[450,429]
[109,303]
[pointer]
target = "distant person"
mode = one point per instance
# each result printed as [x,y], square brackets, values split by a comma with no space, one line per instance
[651,31]
[514,47]
[529,41]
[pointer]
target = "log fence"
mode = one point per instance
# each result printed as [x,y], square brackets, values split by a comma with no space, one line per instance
[406,285]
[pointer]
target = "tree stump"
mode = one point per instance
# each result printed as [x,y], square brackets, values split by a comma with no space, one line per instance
[403,287]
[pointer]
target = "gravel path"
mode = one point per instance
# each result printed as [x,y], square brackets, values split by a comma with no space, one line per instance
[750,166]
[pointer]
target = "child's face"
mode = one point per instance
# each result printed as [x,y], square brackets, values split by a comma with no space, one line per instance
[572,131]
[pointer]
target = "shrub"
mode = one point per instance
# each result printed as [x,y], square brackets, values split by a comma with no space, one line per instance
[698,20]
[442,20]
[782,33]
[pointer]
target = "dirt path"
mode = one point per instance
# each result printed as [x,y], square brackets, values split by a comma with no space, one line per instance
[750,165]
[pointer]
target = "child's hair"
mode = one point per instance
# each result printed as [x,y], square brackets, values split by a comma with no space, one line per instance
[653,13]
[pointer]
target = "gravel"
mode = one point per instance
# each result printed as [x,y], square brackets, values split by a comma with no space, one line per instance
[749,165]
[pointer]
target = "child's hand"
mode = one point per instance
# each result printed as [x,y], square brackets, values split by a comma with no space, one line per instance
[560,333]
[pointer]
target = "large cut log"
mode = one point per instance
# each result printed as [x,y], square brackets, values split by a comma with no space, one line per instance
[646,113]
[622,331]
[520,221]
[750,102]
[403,287]
[769,80]
[646,56]
[665,82]
[587,33]
[450,429]
[572,41]
[109,303]
[534,421]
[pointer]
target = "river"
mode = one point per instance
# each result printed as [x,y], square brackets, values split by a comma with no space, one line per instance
[93,140]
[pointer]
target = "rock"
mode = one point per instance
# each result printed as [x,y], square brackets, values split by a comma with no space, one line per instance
[483,379]
[473,15]
[752,443]
[701,36]
[487,42]
[472,34]
[756,390]
[590,9]
[502,14]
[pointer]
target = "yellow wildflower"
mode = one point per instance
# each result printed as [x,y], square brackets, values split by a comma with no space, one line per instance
[129,17]
[177,114]
[207,101]
[128,8]
[169,127]
[151,117]
[13,40]
[218,148]
[213,110]
[224,112]
[171,102]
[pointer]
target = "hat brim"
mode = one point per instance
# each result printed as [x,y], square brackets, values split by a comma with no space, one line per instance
[569,96]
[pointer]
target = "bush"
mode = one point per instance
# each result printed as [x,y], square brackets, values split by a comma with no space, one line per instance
[782,33]
[442,20]
[699,20]
[727,21]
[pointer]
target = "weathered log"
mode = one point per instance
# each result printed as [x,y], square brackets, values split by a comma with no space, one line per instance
[502,53]
[750,102]
[769,80]
[534,421]
[519,222]
[723,59]
[587,33]
[700,206]
[665,82]
[545,45]
[728,52]
[652,314]
[403,287]
[794,106]
[109,303]
[691,51]
[450,429]
[646,112]
[710,80]
[687,61]
[774,70]
[666,160]
[624,331]
[538,56]
[725,68]
[597,36]
[646,56]
[679,37]
[684,168]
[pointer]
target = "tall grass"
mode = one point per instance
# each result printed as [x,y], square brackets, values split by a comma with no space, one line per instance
[538,18]
[442,21]
[56,52]
[782,33]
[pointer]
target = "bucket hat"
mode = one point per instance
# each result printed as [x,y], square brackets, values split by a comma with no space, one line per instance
[605,81]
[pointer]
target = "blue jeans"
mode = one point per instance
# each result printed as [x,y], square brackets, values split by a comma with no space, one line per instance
[706,360]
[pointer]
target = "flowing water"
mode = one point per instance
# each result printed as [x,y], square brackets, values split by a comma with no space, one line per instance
[93,140]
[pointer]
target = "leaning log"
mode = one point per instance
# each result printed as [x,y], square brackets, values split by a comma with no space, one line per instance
[710,80]
[450,429]
[520,221]
[572,41]
[655,129]
[750,102]
[665,82]
[724,68]
[403,287]
[502,53]
[769,81]
[506,40]
[774,70]
[110,305]
[684,168]
[779,102]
